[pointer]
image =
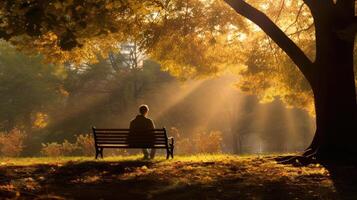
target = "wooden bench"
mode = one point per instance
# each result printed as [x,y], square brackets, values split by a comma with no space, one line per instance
[125,139]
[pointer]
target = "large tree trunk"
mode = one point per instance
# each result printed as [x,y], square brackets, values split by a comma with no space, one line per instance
[334,92]
[336,134]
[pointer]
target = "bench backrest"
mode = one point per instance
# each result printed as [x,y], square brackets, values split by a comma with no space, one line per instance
[126,138]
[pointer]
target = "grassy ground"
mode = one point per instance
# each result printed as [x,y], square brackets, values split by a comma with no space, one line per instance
[185,177]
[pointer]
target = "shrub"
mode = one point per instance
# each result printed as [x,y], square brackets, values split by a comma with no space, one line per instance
[11,143]
[55,149]
[68,149]
[85,144]
[51,149]
[199,142]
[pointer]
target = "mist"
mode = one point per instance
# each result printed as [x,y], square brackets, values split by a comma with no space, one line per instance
[65,101]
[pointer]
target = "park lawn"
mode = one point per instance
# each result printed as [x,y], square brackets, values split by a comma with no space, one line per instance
[184,177]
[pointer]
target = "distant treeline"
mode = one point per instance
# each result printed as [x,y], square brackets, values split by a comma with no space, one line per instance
[46,108]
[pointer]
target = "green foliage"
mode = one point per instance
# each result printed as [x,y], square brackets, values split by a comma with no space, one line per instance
[27,86]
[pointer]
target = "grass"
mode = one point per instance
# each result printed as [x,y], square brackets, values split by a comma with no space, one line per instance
[202,176]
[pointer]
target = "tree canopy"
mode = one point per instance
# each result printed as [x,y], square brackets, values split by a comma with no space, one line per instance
[190,39]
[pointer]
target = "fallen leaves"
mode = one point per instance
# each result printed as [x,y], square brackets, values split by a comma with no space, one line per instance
[248,177]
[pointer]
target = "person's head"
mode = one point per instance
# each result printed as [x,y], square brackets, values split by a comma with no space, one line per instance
[143,109]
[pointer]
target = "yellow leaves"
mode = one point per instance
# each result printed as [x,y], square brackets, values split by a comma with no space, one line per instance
[63,92]
[87,179]
[60,72]
[61,5]
[144,168]
[57,5]
[109,6]
[41,120]
[226,174]
[11,143]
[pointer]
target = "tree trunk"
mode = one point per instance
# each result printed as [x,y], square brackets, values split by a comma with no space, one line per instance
[335,121]
[334,93]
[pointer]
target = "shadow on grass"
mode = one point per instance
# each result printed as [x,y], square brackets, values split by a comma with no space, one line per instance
[343,174]
[140,179]
[344,177]
[76,180]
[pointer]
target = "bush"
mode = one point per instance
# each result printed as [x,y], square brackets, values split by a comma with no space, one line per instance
[68,149]
[11,143]
[199,142]
[54,149]
[205,142]
[51,149]
[209,143]
[85,144]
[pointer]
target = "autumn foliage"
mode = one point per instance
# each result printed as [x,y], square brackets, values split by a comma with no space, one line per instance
[84,146]
[198,142]
[12,142]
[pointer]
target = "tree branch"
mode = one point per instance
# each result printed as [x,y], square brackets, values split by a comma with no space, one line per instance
[296,18]
[302,30]
[276,34]
[280,10]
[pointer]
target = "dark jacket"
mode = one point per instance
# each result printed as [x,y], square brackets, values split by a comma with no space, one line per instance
[141,123]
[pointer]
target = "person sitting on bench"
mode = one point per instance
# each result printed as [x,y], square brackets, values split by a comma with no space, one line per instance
[142,123]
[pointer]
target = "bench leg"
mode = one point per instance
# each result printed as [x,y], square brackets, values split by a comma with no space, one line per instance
[98,151]
[172,152]
[167,153]
[101,152]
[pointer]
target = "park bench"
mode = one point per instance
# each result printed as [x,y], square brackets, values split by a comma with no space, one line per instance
[126,139]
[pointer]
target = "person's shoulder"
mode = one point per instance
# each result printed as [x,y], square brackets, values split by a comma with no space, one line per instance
[134,119]
[149,119]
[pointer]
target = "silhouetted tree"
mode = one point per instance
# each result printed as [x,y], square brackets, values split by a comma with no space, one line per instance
[330,75]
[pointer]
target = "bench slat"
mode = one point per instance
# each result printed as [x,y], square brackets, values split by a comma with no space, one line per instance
[128,130]
[132,141]
[131,137]
[150,137]
[131,144]
[133,147]
[127,133]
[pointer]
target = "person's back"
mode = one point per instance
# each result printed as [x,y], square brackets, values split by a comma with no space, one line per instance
[140,124]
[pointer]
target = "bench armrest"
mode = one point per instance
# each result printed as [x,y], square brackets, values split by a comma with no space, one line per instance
[171,140]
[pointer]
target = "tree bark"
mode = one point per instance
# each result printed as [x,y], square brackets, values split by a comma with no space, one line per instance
[334,89]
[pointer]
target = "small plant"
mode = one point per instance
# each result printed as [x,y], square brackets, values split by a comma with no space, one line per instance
[11,143]
[55,149]
[199,142]
[52,149]
[85,144]
[68,149]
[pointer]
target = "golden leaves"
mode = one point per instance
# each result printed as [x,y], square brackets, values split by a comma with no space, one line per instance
[41,120]
[190,39]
